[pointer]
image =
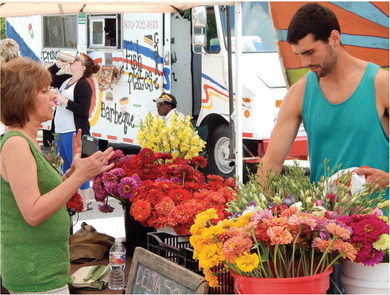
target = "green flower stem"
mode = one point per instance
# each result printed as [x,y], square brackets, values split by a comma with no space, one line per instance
[261,266]
[275,260]
[293,251]
[325,254]
[312,261]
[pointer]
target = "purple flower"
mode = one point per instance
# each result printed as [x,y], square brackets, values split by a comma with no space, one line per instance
[160,179]
[289,200]
[126,187]
[105,208]
[111,180]
[176,180]
[99,191]
[373,258]
[118,154]
[137,179]
[267,213]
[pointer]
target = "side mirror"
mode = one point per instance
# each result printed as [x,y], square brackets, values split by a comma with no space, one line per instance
[199,23]
[199,18]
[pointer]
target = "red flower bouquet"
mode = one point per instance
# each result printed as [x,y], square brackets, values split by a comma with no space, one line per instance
[370,237]
[75,204]
[163,191]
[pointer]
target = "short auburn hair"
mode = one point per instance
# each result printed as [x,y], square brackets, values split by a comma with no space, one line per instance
[21,81]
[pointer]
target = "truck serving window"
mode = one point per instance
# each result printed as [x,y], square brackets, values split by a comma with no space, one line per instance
[258,34]
[60,32]
[103,31]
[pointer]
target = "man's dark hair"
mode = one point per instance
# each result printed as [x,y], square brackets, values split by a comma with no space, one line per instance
[312,18]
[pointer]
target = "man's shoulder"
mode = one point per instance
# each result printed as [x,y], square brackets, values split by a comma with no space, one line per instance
[298,88]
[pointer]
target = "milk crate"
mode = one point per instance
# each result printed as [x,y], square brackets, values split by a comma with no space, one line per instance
[177,248]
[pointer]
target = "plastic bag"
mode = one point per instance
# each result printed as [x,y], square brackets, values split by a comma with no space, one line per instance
[356,183]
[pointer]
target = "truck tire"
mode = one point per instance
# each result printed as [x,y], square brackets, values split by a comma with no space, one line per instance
[218,153]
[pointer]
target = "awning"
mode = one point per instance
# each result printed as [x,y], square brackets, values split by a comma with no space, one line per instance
[10,8]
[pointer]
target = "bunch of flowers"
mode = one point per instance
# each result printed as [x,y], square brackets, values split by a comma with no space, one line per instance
[330,197]
[370,236]
[282,243]
[53,156]
[178,138]
[163,191]
[75,204]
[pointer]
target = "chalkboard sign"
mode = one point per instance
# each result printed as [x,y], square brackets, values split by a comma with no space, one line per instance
[153,274]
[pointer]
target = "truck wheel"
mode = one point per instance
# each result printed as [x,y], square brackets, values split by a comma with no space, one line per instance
[218,162]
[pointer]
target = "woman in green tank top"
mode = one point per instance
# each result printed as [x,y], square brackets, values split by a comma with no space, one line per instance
[34,220]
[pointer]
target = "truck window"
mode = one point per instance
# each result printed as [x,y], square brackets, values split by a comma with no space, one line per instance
[103,31]
[213,45]
[60,32]
[258,34]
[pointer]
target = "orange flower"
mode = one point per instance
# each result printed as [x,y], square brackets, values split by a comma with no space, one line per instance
[235,247]
[345,248]
[338,231]
[211,278]
[302,218]
[279,235]
[321,244]
[289,211]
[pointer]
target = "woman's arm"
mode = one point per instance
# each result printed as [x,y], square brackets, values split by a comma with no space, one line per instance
[82,99]
[57,79]
[19,163]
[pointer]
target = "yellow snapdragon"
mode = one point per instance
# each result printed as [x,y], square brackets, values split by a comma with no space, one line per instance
[181,139]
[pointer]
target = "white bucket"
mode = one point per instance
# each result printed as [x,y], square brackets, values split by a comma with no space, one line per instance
[360,279]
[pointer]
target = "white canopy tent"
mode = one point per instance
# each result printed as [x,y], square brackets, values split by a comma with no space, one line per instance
[34,7]
[9,8]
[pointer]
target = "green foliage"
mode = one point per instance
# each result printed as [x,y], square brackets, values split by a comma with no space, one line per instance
[2,28]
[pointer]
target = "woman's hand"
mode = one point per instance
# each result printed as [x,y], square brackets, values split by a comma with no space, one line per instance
[76,143]
[76,149]
[60,63]
[93,165]
[62,100]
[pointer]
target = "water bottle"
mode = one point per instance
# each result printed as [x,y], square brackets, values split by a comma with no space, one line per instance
[65,56]
[116,279]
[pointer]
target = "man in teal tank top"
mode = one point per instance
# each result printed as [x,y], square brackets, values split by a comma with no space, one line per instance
[343,103]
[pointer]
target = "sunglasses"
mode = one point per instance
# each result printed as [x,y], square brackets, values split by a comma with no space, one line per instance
[80,60]
[159,104]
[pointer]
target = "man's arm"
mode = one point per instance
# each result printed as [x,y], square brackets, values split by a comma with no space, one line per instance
[285,130]
[372,175]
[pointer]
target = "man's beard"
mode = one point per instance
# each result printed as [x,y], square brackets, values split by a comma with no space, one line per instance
[329,62]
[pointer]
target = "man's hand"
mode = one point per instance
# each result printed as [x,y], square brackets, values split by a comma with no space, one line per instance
[374,176]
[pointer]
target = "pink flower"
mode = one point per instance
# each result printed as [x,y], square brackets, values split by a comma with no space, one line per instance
[370,227]
[373,258]
[126,187]
[99,190]
[279,235]
[262,214]
[111,180]
[235,247]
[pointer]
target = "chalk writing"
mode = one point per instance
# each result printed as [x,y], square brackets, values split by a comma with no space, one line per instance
[153,282]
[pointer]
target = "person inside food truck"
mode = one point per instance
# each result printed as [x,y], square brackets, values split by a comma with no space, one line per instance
[166,106]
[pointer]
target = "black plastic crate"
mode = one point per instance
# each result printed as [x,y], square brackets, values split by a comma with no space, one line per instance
[177,248]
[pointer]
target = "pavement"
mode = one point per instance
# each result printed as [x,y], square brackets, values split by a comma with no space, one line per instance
[109,223]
